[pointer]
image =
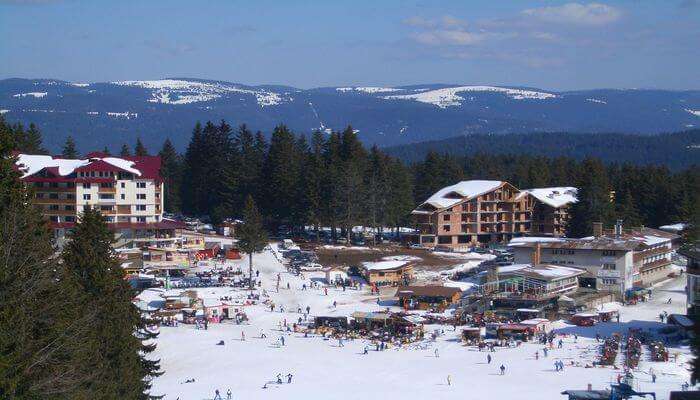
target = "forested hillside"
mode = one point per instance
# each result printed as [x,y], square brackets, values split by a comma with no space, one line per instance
[674,150]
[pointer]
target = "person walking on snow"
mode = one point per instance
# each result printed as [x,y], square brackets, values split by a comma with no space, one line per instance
[242,336]
[449,380]
[340,342]
[262,334]
[289,378]
[217,395]
[537,355]
[228,394]
[437,355]
[279,378]
[503,369]
[488,359]
[282,340]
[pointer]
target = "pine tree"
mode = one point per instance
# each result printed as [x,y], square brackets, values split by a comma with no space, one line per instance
[252,237]
[125,151]
[116,341]
[594,203]
[171,171]
[32,141]
[140,150]
[40,331]
[313,178]
[69,150]
[282,176]
[105,150]
[626,210]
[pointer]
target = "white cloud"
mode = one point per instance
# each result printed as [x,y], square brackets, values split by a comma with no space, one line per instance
[446,30]
[576,13]
[456,37]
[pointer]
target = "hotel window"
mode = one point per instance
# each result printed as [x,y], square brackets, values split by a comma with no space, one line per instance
[70,196]
[107,196]
[608,267]
[86,197]
[141,196]
[446,228]
[70,208]
[53,218]
[86,185]
[69,218]
[446,217]
[141,185]
[122,196]
[106,208]
[123,185]
[157,195]
[140,207]
[53,195]
[608,253]
[140,219]
[53,207]
[609,281]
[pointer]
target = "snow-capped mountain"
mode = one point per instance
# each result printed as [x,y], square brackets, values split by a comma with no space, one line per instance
[112,113]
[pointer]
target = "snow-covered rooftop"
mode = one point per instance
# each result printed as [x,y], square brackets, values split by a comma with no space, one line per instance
[30,164]
[384,265]
[451,195]
[553,196]
[673,227]
[545,271]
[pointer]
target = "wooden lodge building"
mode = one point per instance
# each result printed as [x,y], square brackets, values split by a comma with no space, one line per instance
[427,297]
[480,211]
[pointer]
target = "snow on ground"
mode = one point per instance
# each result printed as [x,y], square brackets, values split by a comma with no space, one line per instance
[348,248]
[178,91]
[37,95]
[322,369]
[694,112]
[367,89]
[126,114]
[448,97]
[3,111]
[597,101]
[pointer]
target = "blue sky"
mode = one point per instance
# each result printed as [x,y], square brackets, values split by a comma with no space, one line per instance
[547,44]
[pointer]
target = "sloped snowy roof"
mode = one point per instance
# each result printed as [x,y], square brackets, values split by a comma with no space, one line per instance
[30,164]
[673,227]
[553,196]
[383,265]
[544,272]
[462,190]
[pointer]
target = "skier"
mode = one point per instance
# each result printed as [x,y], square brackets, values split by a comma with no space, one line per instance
[242,336]
[544,350]
[217,395]
[366,350]
[669,301]
[340,342]
[279,378]
[262,334]
[537,355]
[289,378]
[449,380]
[282,340]
[503,369]
[325,291]
[437,355]
[228,394]
[335,304]
[653,378]
[308,309]
[560,343]
[488,358]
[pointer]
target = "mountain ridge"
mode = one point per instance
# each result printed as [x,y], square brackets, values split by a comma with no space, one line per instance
[112,113]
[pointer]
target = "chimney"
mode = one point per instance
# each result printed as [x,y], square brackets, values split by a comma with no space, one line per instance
[597,229]
[618,228]
[536,254]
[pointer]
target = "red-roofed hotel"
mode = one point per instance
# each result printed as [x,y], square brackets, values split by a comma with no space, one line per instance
[128,191]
